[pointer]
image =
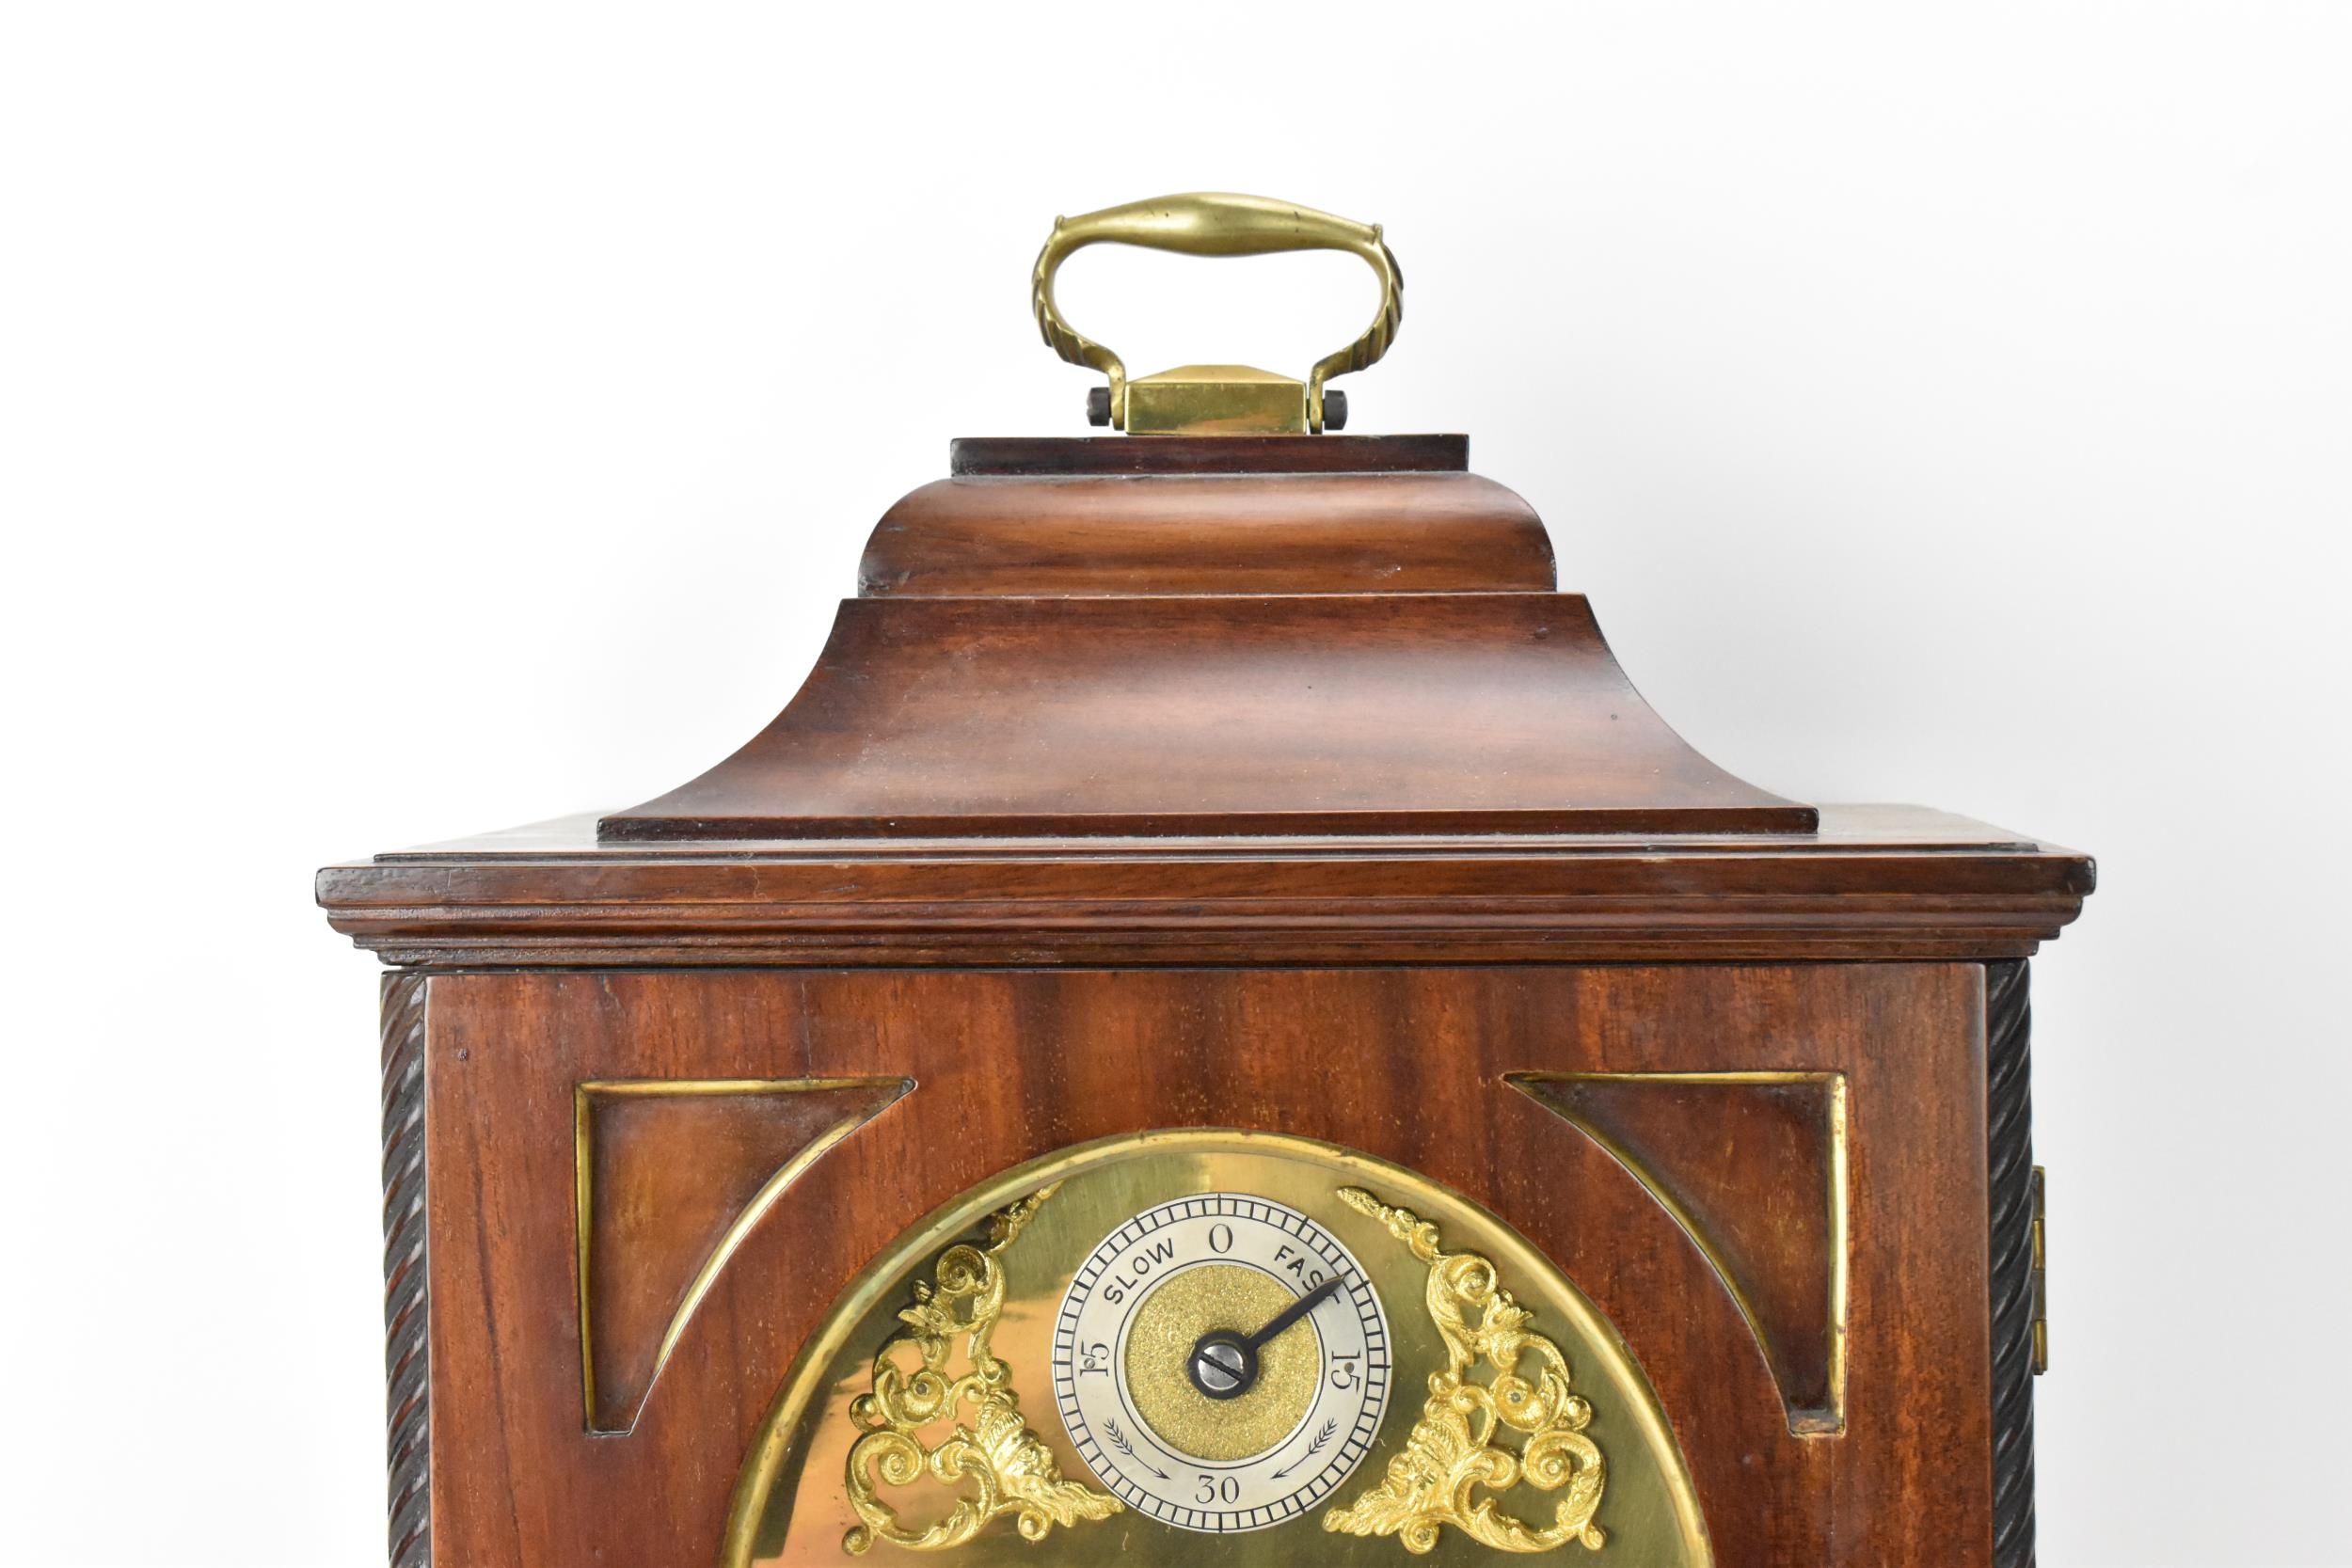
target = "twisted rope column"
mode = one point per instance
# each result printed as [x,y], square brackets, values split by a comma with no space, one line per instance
[406,1358]
[2009,1131]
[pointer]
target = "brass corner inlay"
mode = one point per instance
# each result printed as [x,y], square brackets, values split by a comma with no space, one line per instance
[886,1091]
[1827,1417]
[1454,1452]
[1009,1466]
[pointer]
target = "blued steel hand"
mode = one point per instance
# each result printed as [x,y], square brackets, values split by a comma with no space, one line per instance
[1292,1313]
[1223,1364]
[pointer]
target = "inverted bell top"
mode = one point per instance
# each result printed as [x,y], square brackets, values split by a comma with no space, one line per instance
[1203,636]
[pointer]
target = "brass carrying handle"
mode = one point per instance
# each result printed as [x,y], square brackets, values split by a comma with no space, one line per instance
[1208,222]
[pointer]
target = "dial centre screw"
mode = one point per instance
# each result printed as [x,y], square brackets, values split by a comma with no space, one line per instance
[1222,1364]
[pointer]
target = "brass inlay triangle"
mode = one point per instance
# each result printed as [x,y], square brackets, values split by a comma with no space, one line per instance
[1753,1166]
[673,1174]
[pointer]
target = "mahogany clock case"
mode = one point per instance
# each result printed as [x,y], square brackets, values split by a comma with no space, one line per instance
[1051,849]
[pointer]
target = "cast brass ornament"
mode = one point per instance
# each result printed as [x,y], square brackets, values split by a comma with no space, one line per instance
[1452,1452]
[1009,1466]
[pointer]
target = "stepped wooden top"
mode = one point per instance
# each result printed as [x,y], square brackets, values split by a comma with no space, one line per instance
[1053,644]
[1298,700]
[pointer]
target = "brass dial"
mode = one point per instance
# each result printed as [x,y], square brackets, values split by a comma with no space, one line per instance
[925,1421]
[1221,1362]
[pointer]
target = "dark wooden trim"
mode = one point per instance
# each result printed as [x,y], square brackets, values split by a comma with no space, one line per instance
[542,939]
[1874,885]
[974,455]
[407,1381]
[631,828]
[2009,1131]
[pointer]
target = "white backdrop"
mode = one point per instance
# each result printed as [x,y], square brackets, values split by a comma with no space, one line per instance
[415,421]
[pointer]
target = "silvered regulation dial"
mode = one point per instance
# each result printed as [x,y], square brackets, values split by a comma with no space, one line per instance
[1221,1362]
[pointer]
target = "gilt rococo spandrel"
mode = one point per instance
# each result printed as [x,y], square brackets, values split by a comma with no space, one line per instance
[1216,1028]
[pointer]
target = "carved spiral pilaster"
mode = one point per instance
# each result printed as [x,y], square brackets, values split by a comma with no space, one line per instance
[407,1384]
[2009,1130]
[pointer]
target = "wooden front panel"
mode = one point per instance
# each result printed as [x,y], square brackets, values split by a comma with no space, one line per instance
[1406,1063]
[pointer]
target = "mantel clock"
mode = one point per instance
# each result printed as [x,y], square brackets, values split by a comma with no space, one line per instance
[1216,1028]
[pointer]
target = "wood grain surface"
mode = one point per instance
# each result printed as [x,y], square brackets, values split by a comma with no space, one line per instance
[1464,713]
[1875,883]
[1224,533]
[1194,637]
[1752,1170]
[663,1178]
[1405,1064]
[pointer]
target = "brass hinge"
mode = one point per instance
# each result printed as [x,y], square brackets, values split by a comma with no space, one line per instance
[2041,1281]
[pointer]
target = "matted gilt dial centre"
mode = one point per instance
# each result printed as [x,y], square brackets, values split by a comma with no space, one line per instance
[1269,1395]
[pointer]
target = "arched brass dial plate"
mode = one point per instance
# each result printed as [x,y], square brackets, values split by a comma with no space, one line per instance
[925,1418]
